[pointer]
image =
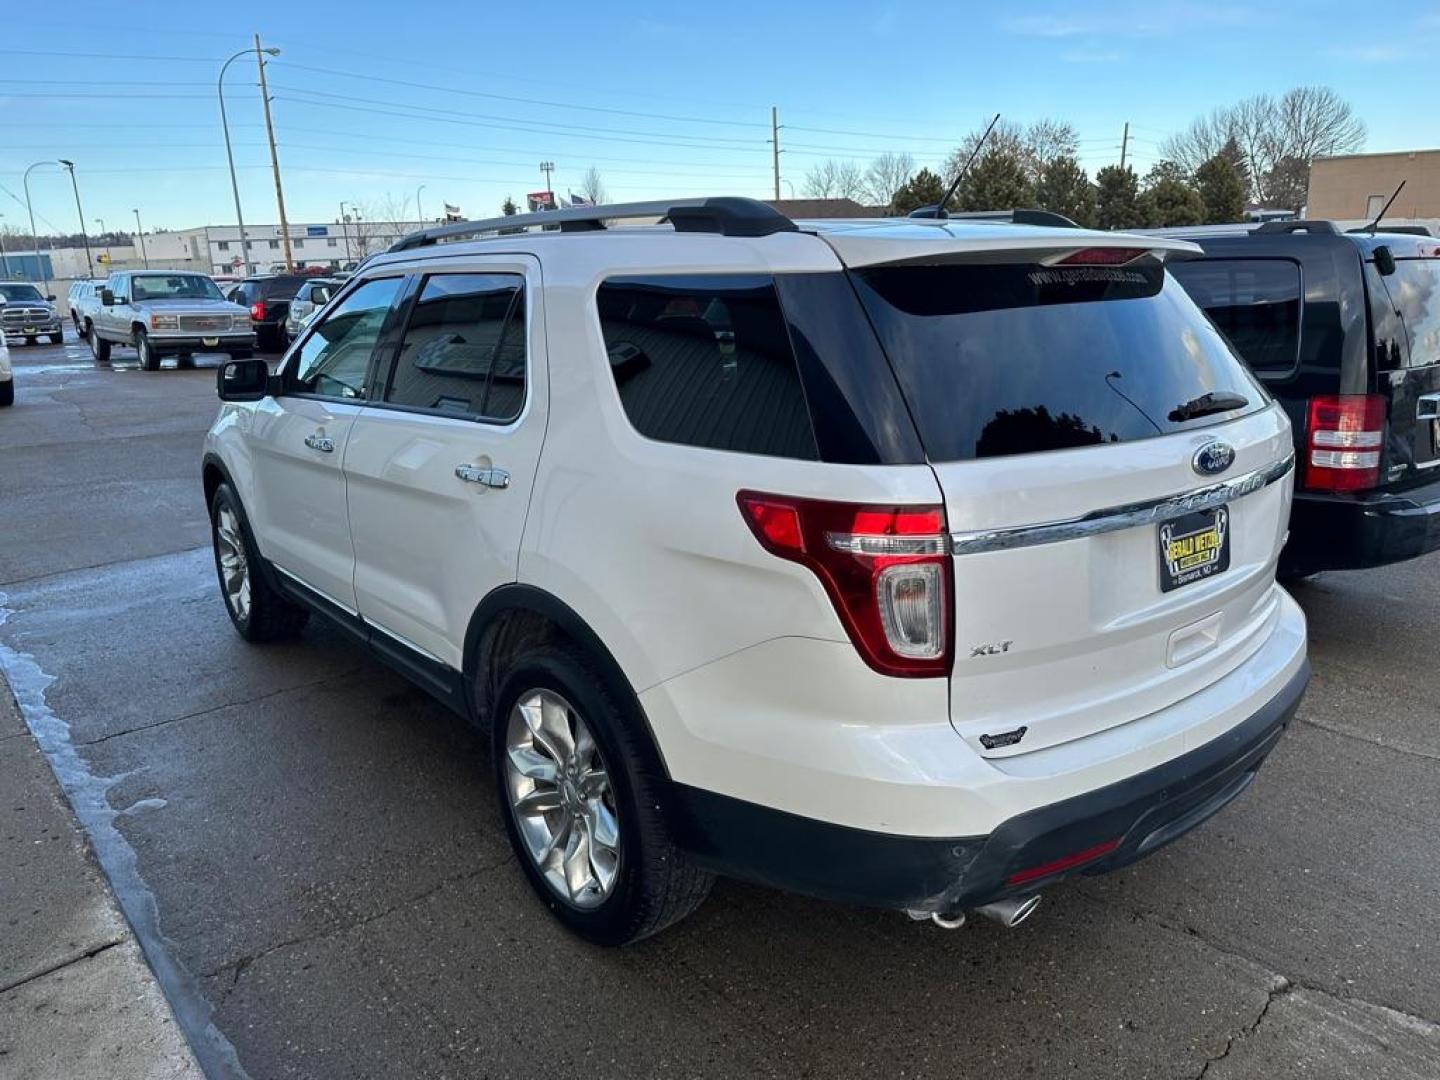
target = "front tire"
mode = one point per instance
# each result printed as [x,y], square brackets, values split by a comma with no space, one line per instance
[7,392]
[57,338]
[149,358]
[582,803]
[257,610]
[32,341]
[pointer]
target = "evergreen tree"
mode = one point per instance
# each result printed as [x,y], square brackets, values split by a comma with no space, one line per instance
[922,189]
[1064,188]
[508,207]
[1117,198]
[998,181]
[1171,202]
[1222,192]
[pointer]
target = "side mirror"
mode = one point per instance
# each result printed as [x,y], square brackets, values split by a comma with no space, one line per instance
[107,298]
[1384,260]
[242,380]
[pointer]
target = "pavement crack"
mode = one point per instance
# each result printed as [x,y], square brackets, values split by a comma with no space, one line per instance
[88,954]
[347,673]
[239,966]
[1279,987]
[1424,755]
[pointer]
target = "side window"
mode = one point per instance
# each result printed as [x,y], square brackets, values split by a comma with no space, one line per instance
[706,361]
[1256,302]
[333,359]
[464,347]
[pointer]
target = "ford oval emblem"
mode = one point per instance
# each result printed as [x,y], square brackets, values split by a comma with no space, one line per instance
[1213,458]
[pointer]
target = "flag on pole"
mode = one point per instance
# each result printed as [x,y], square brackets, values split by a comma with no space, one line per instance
[580,200]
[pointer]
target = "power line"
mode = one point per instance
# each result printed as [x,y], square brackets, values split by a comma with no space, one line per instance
[520,100]
[112,56]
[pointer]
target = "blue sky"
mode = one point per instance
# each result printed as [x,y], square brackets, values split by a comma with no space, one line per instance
[373,100]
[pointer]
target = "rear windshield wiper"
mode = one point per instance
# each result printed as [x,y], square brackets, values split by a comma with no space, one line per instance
[1206,405]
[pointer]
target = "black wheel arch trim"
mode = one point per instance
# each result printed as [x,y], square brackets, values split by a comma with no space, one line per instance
[517,596]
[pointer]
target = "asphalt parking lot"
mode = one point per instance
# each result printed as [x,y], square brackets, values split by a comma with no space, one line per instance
[311,852]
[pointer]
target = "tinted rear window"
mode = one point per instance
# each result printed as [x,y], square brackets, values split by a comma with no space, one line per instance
[1414,295]
[1255,301]
[706,361]
[1015,358]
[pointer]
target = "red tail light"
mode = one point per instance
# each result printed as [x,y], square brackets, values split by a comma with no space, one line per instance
[1067,862]
[1101,256]
[257,311]
[1344,437]
[885,568]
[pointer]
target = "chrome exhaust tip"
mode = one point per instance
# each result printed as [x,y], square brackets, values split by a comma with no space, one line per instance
[945,922]
[1011,913]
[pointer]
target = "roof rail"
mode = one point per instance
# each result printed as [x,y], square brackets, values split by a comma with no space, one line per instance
[725,215]
[1324,228]
[1018,216]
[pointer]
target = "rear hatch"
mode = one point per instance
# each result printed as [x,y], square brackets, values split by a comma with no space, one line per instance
[1067,394]
[1405,326]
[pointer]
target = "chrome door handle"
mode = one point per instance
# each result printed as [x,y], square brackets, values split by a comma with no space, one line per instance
[1427,407]
[323,443]
[491,477]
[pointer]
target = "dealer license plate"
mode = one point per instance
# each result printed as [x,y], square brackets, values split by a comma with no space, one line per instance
[1194,547]
[209,341]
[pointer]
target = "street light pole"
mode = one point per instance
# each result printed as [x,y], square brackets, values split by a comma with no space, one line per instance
[4,259]
[84,236]
[418,215]
[547,167]
[34,236]
[140,232]
[345,229]
[230,155]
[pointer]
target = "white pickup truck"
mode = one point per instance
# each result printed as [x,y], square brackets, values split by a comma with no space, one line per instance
[168,313]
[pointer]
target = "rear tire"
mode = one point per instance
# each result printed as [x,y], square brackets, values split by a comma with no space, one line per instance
[145,351]
[256,609]
[652,883]
[7,392]
[99,347]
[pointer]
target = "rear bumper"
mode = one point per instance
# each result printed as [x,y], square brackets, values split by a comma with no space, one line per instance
[1340,532]
[1123,821]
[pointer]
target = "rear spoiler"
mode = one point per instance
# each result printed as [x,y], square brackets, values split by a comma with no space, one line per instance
[936,243]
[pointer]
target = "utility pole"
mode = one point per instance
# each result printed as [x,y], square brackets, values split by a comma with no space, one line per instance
[274,157]
[140,232]
[1124,144]
[85,236]
[4,259]
[775,147]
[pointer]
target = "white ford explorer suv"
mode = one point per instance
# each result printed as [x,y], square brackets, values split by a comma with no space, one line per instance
[910,563]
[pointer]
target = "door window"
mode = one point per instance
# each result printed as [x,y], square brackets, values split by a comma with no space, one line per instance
[333,359]
[463,352]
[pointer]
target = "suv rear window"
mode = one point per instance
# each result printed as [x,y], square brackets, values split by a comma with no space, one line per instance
[998,359]
[1414,291]
[706,361]
[1255,301]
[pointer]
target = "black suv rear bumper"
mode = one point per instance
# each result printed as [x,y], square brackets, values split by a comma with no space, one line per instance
[1113,826]
[1351,532]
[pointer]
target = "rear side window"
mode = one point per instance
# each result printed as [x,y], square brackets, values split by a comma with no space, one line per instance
[464,348]
[1005,359]
[333,360]
[1255,301]
[706,361]
[1413,291]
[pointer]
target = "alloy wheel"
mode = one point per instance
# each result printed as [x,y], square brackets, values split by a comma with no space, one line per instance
[560,794]
[234,567]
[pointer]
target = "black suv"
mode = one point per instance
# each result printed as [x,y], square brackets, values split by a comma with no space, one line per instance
[268,298]
[1344,330]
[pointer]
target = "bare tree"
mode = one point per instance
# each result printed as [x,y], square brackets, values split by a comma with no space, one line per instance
[1276,140]
[592,187]
[377,224]
[834,179]
[1034,147]
[886,175]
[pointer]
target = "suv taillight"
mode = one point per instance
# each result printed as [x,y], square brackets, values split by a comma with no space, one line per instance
[885,568]
[1343,439]
[257,311]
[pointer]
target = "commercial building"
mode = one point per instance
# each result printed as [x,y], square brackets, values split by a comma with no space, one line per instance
[1357,186]
[216,249]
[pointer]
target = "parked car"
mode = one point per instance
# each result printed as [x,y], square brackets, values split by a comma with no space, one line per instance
[7,373]
[268,298]
[1344,329]
[84,300]
[309,298]
[913,564]
[168,313]
[27,314]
